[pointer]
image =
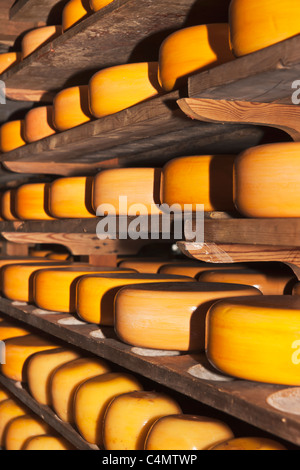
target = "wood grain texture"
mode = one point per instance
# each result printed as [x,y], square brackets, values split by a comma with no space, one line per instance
[37,10]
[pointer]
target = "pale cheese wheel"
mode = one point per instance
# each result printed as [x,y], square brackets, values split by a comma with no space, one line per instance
[8,205]
[249,443]
[39,124]
[267,181]
[169,316]
[92,398]
[97,5]
[65,380]
[12,136]
[40,368]
[95,294]
[117,88]
[192,50]
[197,180]
[127,191]
[31,202]
[129,417]
[144,265]
[71,108]
[9,410]
[22,428]
[186,432]
[71,198]
[75,11]
[194,269]
[47,442]
[258,24]
[256,338]
[10,329]
[8,59]
[39,37]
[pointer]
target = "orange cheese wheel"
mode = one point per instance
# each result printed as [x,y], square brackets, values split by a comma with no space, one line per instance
[117,88]
[8,59]
[71,198]
[129,417]
[18,350]
[249,443]
[10,329]
[65,380]
[75,11]
[7,205]
[9,410]
[169,316]
[186,432]
[40,368]
[47,442]
[4,395]
[59,257]
[71,108]
[92,398]
[98,4]
[191,50]
[31,202]
[19,260]
[22,428]
[267,181]
[95,294]
[127,191]
[258,24]
[144,265]
[194,269]
[39,37]
[39,124]
[206,179]
[12,136]
[39,253]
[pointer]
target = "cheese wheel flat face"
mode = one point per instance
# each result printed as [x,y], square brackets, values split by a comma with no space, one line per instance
[192,50]
[185,432]
[205,179]
[258,24]
[39,124]
[47,442]
[31,202]
[249,443]
[9,410]
[12,136]
[39,37]
[75,11]
[71,108]
[117,88]
[92,399]
[65,380]
[71,198]
[23,428]
[11,330]
[266,181]
[9,59]
[96,5]
[256,339]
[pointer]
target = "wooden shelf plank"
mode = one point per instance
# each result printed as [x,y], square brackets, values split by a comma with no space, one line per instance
[36,10]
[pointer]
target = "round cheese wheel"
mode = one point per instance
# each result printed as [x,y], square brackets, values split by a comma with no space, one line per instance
[8,59]
[9,410]
[249,443]
[206,179]
[22,428]
[47,442]
[39,253]
[98,4]
[194,269]
[71,198]
[39,124]
[258,24]
[39,37]
[59,256]
[12,136]
[267,181]
[127,191]
[169,316]
[186,432]
[18,350]
[256,338]
[8,205]
[30,202]
[71,108]
[4,395]
[192,50]
[9,329]
[144,265]
[65,380]
[92,398]
[129,417]
[117,88]
[40,368]
[19,260]
[75,11]
[95,294]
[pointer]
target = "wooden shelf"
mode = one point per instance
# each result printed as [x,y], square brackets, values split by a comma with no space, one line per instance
[36,10]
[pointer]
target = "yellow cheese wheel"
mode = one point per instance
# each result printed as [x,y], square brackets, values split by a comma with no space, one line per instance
[59,257]
[65,380]
[169,316]
[206,179]
[98,4]
[117,88]
[4,395]
[71,198]
[256,339]
[12,136]
[138,188]
[31,202]
[186,432]
[74,11]
[92,398]
[249,443]
[71,108]
[8,59]
[39,124]
[194,269]
[39,253]
[260,23]
[130,416]
[47,442]
[10,329]
[9,410]
[8,205]
[95,294]
[39,37]
[144,265]
[18,350]
[5,261]
[22,428]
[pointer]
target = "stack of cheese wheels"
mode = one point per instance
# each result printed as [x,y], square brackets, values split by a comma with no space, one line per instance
[260,23]
[266,181]
[205,179]
[65,380]
[9,59]
[71,198]
[55,289]
[39,37]
[39,124]
[74,11]
[169,316]
[186,432]
[127,191]
[129,417]
[92,398]
[47,442]
[117,88]
[31,202]
[194,269]
[22,428]
[71,108]
[97,5]
[9,410]
[10,329]
[8,205]
[191,50]
[12,136]
[249,443]
[256,338]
